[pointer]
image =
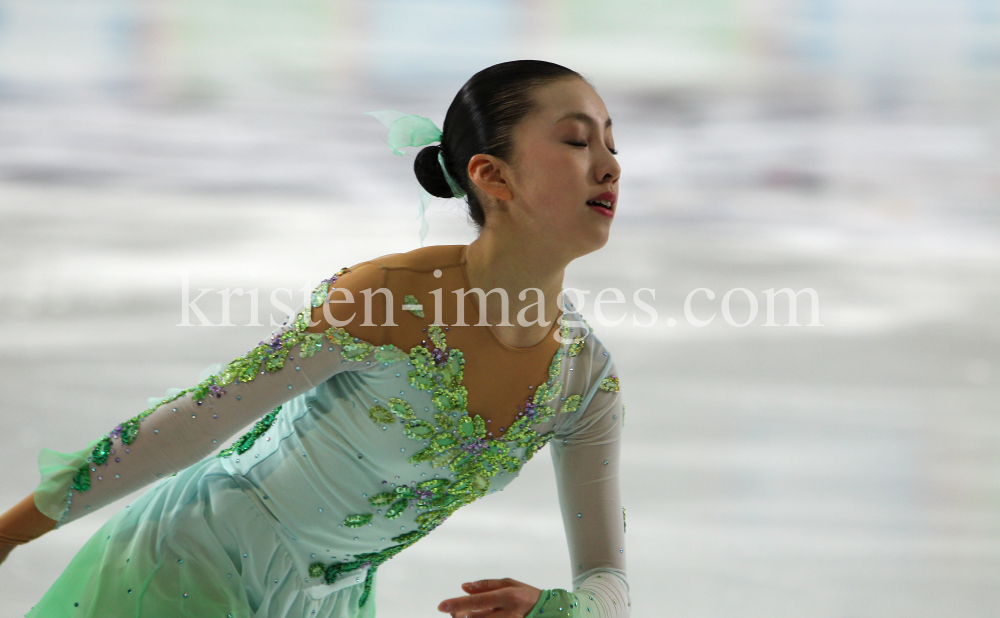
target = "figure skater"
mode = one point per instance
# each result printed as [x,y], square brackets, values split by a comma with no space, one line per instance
[398,393]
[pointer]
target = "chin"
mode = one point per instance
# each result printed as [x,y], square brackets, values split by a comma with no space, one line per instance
[593,239]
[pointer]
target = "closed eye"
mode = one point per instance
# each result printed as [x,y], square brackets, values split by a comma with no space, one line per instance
[581,145]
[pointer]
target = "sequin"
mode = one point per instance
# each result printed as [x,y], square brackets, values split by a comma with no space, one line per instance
[380,415]
[389,354]
[610,384]
[572,403]
[244,443]
[401,408]
[356,521]
[455,442]
[321,293]
[413,305]
[575,344]
[268,356]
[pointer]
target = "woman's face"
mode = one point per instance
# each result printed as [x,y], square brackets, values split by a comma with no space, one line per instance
[563,157]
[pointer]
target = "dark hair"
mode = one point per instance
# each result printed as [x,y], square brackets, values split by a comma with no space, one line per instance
[481,119]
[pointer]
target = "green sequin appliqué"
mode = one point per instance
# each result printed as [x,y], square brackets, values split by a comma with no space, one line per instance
[576,343]
[411,304]
[572,403]
[610,384]
[356,521]
[455,442]
[269,356]
[246,441]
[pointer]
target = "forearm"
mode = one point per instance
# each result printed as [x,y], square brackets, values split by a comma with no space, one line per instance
[586,454]
[24,522]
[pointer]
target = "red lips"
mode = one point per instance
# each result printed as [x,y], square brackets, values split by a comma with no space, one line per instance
[607,195]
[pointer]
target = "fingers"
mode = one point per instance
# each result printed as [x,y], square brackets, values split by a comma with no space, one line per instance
[485,585]
[493,598]
[462,607]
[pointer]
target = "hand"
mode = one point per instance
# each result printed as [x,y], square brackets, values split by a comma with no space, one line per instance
[4,550]
[496,598]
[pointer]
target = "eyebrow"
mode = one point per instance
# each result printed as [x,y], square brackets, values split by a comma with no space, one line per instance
[584,118]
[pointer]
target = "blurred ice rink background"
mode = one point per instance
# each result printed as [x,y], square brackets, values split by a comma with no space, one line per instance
[852,147]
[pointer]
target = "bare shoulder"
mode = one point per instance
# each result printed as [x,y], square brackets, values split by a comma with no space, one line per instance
[354,297]
[345,296]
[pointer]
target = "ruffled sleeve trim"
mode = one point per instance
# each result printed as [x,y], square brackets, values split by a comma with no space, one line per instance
[54,493]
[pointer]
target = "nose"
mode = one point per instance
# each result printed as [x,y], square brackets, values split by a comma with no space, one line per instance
[608,169]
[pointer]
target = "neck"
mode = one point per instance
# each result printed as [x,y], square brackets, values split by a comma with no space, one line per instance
[496,261]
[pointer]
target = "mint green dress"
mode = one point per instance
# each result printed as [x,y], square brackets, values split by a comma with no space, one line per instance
[358,451]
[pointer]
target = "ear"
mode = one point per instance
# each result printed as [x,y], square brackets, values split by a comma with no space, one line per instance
[489,174]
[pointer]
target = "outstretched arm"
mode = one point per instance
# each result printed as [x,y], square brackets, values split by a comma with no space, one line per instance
[184,428]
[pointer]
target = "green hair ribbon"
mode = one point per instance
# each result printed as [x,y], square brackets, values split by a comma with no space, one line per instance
[410,130]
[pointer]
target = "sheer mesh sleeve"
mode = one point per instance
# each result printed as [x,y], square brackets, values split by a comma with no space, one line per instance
[585,456]
[182,429]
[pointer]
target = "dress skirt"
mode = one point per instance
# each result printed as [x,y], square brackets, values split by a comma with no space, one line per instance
[195,545]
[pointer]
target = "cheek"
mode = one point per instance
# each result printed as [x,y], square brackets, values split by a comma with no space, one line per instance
[556,177]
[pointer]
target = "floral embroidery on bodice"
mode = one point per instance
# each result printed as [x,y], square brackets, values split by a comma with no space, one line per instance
[456,442]
[453,439]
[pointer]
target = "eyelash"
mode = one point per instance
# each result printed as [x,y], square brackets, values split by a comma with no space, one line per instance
[614,152]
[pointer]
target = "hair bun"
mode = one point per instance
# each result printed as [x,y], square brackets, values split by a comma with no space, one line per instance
[429,173]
